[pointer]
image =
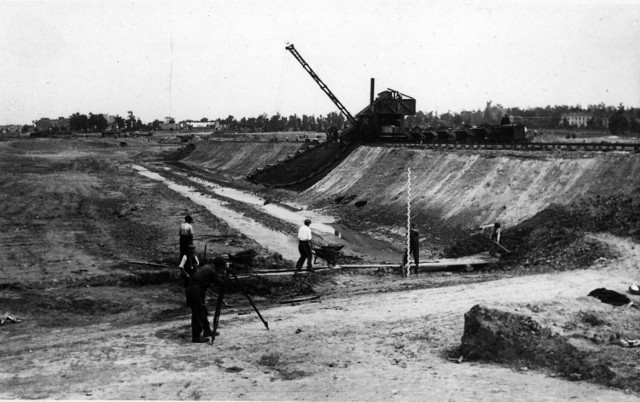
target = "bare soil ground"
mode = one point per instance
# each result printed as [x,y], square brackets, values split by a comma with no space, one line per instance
[96,324]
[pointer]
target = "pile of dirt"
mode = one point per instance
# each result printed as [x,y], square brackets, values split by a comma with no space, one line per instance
[580,339]
[558,237]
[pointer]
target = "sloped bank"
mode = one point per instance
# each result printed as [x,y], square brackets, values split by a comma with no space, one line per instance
[236,159]
[452,192]
[561,236]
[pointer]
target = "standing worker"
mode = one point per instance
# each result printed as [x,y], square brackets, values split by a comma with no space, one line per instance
[304,246]
[186,235]
[196,291]
[495,237]
[189,262]
[189,265]
[414,247]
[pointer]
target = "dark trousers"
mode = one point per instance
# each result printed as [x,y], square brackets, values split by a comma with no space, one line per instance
[415,253]
[199,313]
[185,242]
[304,247]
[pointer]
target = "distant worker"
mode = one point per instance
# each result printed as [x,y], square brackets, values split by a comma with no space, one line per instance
[495,237]
[304,246]
[414,247]
[186,235]
[202,279]
[506,119]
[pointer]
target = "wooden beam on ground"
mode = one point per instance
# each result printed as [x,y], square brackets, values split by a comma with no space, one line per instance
[300,299]
[149,263]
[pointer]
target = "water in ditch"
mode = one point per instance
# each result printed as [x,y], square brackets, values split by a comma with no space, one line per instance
[275,241]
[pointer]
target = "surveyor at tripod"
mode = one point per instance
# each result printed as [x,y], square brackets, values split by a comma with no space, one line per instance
[186,235]
[305,246]
[202,279]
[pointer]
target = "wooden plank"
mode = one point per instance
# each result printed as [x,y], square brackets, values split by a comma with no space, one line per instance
[148,263]
[300,299]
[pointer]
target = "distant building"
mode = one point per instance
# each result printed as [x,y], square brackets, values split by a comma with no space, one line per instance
[581,119]
[576,119]
[195,124]
[109,118]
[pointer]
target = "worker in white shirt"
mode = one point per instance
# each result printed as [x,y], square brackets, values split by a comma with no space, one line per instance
[304,246]
[186,235]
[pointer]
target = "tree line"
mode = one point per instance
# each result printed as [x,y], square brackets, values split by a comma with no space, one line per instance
[619,120]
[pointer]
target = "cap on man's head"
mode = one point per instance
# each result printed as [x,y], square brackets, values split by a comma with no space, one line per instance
[188,219]
[219,262]
[307,221]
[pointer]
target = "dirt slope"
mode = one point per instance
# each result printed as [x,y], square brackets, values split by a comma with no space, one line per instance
[469,188]
[452,192]
[236,159]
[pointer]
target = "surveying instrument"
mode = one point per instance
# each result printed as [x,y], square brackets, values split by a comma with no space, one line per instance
[228,275]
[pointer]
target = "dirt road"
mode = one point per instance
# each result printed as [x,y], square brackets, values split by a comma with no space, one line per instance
[376,346]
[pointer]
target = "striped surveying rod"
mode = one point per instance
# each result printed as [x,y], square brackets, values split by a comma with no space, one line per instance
[408,266]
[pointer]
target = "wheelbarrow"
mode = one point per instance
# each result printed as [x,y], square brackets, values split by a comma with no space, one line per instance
[244,258]
[329,253]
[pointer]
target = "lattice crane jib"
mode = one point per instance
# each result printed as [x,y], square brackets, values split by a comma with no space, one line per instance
[321,84]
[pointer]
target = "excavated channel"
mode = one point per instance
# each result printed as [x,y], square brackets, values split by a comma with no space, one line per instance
[360,243]
[273,240]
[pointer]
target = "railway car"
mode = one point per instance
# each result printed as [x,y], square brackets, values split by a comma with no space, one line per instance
[462,135]
[507,133]
[444,135]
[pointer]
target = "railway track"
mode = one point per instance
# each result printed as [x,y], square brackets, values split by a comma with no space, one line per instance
[530,146]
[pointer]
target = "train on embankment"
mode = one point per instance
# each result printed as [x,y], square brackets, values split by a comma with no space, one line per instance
[485,134]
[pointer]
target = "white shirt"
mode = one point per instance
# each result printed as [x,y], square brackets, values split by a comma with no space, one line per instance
[304,233]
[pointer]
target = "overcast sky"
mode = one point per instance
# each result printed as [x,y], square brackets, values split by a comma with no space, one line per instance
[212,59]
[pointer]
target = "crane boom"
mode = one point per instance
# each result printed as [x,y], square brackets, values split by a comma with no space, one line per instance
[322,85]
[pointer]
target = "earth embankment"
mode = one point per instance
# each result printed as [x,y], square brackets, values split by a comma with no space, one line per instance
[235,159]
[451,192]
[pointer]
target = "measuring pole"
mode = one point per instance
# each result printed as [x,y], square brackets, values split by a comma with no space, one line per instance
[408,268]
